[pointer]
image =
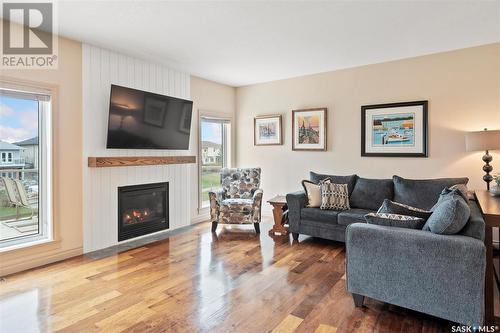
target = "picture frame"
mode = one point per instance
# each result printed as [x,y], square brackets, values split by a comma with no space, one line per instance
[154,111]
[268,130]
[309,129]
[395,129]
[185,121]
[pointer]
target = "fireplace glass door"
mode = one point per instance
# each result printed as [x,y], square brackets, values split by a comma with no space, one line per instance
[142,209]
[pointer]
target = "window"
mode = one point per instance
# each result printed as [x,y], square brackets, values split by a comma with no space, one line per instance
[214,154]
[25,147]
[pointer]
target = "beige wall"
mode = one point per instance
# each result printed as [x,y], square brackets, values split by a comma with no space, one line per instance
[215,100]
[67,159]
[463,89]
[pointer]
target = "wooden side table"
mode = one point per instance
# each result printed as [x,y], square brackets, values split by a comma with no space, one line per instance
[280,216]
[490,208]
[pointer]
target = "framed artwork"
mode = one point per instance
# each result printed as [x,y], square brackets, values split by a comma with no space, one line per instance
[309,129]
[154,111]
[394,130]
[267,130]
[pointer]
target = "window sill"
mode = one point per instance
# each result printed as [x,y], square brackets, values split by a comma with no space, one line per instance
[27,244]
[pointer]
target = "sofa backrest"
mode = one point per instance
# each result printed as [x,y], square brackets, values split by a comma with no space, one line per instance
[370,193]
[422,193]
[239,183]
[350,180]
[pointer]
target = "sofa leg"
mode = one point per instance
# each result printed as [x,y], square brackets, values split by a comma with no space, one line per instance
[257,227]
[214,226]
[358,299]
[295,235]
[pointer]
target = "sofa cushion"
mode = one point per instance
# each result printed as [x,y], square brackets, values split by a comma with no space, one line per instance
[422,193]
[349,180]
[391,207]
[352,215]
[370,193]
[316,214]
[475,226]
[395,220]
[334,196]
[449,215]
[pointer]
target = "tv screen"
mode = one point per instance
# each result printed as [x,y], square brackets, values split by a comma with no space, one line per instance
[143,120]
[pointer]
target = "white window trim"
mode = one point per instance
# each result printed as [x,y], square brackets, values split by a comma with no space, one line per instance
[226,144]
[45,204]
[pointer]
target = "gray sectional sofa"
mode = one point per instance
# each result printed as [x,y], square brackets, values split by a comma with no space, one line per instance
[441,275]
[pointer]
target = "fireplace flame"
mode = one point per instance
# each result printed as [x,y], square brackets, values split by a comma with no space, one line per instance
[134,216]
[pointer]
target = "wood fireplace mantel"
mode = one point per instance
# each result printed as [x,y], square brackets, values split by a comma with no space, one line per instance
[111,161]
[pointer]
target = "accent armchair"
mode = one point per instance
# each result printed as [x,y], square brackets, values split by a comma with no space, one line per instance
[239,199]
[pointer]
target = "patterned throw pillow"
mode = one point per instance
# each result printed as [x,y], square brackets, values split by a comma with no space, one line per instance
[334,196]
[313,192]
[395,220]
[391,207]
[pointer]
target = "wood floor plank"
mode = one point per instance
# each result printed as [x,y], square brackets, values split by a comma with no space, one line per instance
[197,281]
[289,324]
[325,329]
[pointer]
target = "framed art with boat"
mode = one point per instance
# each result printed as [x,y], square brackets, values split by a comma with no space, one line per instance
[394,129]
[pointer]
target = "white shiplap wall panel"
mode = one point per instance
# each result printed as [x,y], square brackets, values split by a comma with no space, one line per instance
[101,68]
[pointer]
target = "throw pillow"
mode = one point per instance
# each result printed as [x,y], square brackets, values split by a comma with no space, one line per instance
[449,192]
[313,192]
[391,207]
[462,189]
[449,215]
[334,196]
[395,220]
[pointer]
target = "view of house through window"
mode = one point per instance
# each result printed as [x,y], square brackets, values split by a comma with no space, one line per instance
[20,166]
[214,142]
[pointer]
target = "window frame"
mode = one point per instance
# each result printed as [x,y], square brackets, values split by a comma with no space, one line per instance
[45,98]
[226,150]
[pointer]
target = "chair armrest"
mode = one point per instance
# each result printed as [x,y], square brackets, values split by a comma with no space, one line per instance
[295,201]
[216,194]
[257,205]
[441,275]
[215,197]
[257,195]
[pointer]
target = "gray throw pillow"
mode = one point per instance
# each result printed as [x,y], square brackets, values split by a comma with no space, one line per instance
[395,220]
[392,207]
[449,215]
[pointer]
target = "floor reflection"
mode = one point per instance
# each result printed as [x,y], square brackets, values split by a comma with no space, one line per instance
[20,313]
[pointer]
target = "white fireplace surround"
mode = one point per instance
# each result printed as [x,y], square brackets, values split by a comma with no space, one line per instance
[101,68]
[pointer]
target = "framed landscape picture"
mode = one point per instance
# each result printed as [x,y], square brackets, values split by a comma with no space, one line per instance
[267,130]
[309,129]
[394,130]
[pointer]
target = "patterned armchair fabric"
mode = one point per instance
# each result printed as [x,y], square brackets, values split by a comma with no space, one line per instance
[239,199]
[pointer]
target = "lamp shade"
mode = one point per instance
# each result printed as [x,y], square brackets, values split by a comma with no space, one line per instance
[482,140]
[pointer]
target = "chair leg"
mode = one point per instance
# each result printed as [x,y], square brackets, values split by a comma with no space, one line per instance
[358,299]
[295,235]
[257,227]
[214,226]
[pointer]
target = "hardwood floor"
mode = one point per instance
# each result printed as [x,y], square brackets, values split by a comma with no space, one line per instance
[196,282]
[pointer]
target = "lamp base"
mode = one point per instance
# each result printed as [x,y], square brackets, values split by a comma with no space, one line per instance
[487,158]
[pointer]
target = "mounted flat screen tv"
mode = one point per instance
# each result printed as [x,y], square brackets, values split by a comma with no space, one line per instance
[143,120]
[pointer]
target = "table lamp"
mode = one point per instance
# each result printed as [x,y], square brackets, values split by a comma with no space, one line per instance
[484,140]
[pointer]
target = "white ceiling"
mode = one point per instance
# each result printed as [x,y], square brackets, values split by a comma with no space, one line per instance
[240,43]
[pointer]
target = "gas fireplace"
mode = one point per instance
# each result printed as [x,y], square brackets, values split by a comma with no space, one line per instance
[142,209]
